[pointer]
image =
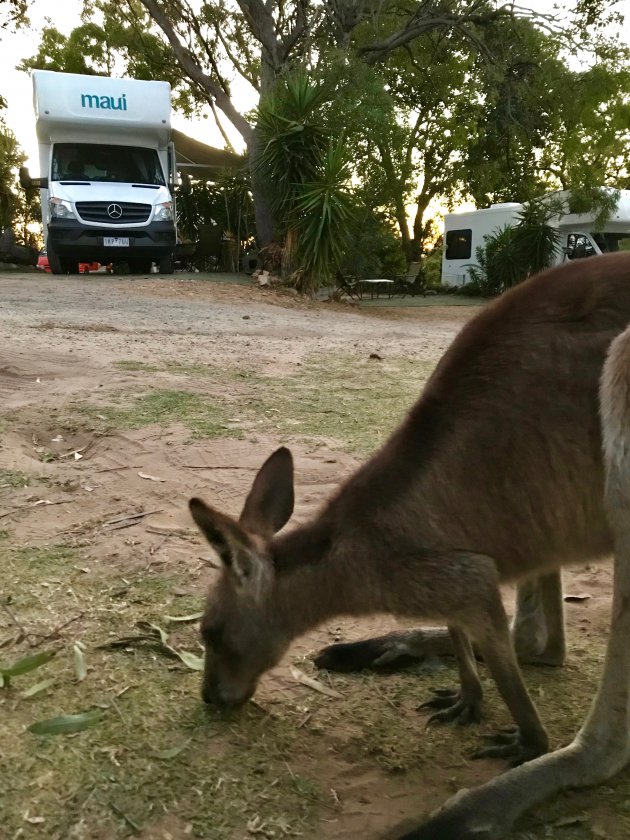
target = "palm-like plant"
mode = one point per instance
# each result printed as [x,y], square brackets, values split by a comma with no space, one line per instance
[307,174]
[515,252]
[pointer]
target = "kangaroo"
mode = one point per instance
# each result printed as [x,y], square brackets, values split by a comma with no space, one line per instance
[495,475]
[602,746]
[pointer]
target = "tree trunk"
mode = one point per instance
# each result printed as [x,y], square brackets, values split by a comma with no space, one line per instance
[399,205]
[419,232]
[265,227]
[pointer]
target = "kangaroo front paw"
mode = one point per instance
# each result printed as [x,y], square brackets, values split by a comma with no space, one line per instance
[454,705]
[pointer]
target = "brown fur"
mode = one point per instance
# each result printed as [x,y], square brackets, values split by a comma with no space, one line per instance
[496,474]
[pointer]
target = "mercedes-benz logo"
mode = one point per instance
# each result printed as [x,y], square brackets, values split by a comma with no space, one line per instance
[114,211]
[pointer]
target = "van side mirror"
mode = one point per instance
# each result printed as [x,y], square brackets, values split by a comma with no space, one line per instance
[26,182]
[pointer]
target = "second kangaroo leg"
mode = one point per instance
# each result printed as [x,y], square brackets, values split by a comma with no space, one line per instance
[463,586]
[538,626]
[463,705]
[538,631]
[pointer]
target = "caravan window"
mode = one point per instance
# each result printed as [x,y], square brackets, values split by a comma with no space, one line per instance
[115,164]
[458,244]
[612,241]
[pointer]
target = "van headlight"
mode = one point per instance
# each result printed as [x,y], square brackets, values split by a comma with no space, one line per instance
[60,209]
[164,212]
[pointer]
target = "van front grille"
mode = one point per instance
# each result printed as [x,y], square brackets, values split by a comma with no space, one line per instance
[113,212]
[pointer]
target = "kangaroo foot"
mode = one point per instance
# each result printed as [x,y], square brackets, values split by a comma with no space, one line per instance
[508,743]
[453,705]
[390,652]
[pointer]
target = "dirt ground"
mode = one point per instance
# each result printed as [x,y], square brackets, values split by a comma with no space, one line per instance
[122,397]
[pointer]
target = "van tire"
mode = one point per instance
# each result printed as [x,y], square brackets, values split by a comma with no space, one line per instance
[167,264]
[54,260]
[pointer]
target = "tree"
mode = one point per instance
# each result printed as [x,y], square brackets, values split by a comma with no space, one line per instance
[261,41]
[13,13]
[305,165]
[17,209]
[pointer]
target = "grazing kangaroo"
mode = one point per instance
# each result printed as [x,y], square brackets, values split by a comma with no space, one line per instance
[602,746]
[496,475]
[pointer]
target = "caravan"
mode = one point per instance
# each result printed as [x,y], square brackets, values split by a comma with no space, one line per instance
[107,168]
[465,232]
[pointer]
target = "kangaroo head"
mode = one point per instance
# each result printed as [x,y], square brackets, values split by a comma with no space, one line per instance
[241,639]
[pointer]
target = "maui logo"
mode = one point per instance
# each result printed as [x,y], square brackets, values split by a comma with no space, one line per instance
[105,103]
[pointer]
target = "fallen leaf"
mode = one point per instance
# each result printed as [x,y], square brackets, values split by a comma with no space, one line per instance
[151,477]
[174,751]
[316,685]
[25,665]
[66,724]
[37,688]
[184,618]
[80,667]
[191,660]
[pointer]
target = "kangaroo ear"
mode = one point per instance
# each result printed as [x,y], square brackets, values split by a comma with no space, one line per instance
[269,504]
[222,532]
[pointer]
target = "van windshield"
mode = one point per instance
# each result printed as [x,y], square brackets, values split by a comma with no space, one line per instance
[114,164]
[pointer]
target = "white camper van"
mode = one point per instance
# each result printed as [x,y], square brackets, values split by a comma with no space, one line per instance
[107,169]
[465,232]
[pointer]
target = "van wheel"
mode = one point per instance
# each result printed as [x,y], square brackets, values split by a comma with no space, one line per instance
[54,261]
[167,264]
[70,267]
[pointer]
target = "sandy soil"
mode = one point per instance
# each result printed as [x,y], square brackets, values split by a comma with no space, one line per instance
[61,340]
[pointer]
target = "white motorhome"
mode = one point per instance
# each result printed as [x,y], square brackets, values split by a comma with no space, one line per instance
[465,232]
[107,168]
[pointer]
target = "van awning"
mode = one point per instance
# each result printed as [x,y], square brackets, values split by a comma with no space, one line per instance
[201,161]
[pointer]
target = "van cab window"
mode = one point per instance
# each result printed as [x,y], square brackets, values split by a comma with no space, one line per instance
[97,162]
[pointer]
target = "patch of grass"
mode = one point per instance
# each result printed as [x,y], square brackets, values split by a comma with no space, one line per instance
[359,402]
[133,365]
[204,416]
[157,752]
[13,478]
[183,368]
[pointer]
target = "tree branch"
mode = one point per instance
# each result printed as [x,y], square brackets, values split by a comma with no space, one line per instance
[194,70]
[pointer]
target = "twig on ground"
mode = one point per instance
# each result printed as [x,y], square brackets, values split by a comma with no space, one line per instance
[132,519]
[33,505]
[5,606]
[44,637]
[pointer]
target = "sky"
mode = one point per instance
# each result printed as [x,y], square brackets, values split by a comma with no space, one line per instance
[17,89]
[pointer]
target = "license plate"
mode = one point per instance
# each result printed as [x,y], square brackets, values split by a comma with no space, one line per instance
[116,241]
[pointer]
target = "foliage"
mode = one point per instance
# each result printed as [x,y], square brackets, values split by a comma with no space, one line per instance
[17,209]
[306,167]
[226,202]
[373,249]
[13,13]
[513,253]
